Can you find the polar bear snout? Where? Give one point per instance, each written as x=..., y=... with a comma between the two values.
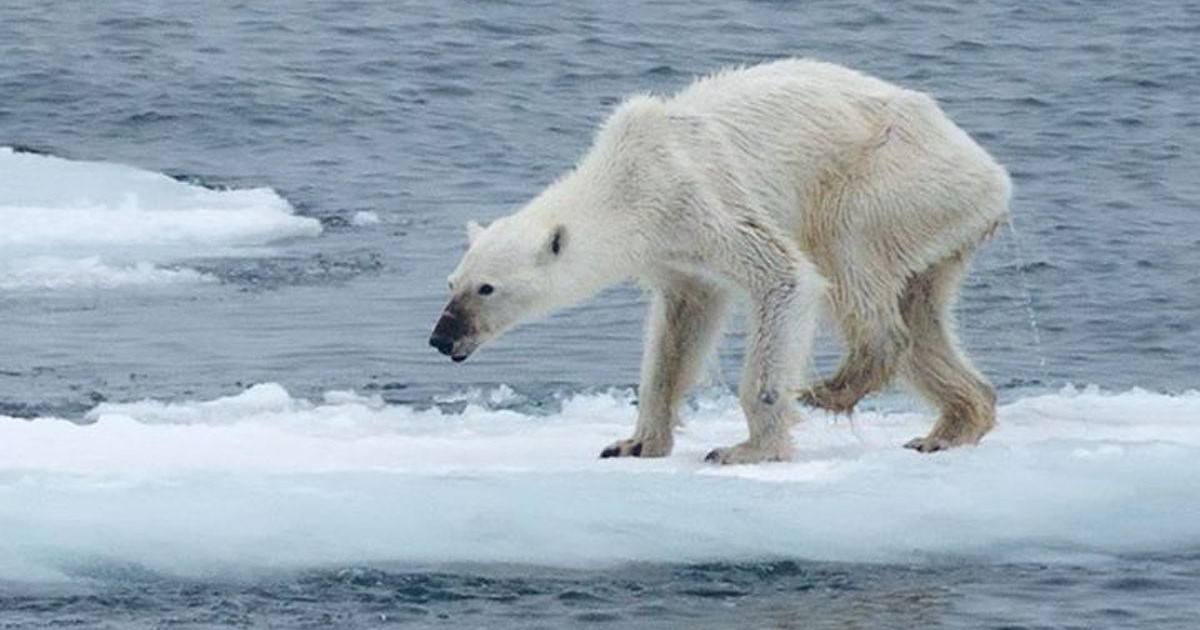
x=454, y=335
x=444, y=344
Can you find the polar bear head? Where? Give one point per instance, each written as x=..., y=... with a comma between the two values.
x=516, y=269
x=584, y=232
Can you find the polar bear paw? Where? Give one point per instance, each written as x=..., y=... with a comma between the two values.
x=935, y=443
x=638, y=447
x=747, y=453
x=927, y=444
x=830, y=397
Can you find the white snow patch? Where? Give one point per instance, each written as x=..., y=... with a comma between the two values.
x=262, y=479
x=75, y=224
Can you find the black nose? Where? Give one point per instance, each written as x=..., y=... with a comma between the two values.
x=444, y=344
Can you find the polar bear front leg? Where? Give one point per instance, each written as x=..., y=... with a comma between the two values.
x=783, y=323
x=683, y=327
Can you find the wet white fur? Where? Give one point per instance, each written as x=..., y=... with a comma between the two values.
x=792, y=184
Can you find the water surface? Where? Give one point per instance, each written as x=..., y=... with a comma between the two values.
x=428, y=114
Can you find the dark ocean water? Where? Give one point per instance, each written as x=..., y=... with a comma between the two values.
x=433, y=113
x=1140, y=592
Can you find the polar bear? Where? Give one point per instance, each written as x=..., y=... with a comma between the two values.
x=797, y=185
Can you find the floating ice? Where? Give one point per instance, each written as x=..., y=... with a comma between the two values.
x=50, y=272
x=72, y=224
x=266, y=480
x=365, y=218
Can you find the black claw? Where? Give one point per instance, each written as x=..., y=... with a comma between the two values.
x=636, y=451
x=713, y=456
x=925, y=446
x=612, y=451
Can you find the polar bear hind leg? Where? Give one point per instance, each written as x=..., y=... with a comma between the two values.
x=936, y=366
x=876, y=338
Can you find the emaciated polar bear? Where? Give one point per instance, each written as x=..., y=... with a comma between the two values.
x=796, y=184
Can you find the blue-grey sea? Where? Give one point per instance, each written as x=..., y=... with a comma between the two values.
x=388, y=125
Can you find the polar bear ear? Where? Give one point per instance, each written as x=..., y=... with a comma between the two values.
x=473, y=232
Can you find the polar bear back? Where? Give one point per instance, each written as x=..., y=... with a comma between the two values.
x=832, y=154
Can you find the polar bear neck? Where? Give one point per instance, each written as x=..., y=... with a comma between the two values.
x=596, y=228
x=606, y=203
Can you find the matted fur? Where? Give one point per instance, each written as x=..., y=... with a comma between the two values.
x=796, y=185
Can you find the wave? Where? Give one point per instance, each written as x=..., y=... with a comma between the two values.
x=77, y=224
x=265, y=480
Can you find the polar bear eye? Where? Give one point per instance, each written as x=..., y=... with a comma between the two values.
x=486, y=289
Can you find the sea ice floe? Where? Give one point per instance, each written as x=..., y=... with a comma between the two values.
x=262, y=479
x=73, y=224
